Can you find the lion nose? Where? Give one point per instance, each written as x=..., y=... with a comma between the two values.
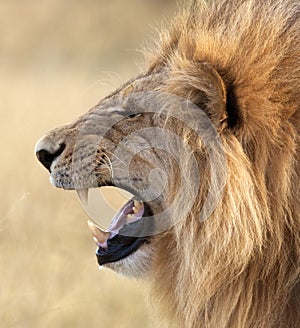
x=46, y=151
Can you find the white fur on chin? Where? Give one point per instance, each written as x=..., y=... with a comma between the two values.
x=136, y=265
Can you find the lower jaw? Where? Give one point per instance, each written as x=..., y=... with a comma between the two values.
x=119, y=248
x=128, y=240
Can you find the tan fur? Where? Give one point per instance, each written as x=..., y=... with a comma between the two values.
x=240, y=268
x=238, y=60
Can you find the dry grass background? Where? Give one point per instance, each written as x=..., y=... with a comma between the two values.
x=58, y=58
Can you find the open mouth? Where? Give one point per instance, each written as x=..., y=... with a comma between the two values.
x=126, y=232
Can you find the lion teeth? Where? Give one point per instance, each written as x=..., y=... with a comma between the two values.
x=96, y=241
x=130, y=216
x=137, y=206
x=100, y=236
x=83, y=195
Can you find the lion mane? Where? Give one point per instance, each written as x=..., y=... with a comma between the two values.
x=240, y=268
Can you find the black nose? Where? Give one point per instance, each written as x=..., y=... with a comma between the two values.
x=46, y=157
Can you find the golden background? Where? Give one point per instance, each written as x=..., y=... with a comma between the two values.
x=58, y=58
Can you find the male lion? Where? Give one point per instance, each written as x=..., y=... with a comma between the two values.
x=232, y=261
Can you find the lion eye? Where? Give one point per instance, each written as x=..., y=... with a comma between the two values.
x=134, y=115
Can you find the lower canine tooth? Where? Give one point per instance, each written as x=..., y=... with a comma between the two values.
x=99, y=235
x=96, y=241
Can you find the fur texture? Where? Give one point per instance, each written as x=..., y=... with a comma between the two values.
x=240, y=268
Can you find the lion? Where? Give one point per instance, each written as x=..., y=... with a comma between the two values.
x=237, y=63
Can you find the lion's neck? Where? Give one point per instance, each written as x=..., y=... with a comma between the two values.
x=238, y=268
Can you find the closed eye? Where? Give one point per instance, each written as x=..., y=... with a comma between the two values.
x=134, y=115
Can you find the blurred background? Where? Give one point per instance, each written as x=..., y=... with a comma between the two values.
x=58, y=58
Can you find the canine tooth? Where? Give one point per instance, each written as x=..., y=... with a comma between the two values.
x=83, y=195
x=99, y=235
x=96, y=241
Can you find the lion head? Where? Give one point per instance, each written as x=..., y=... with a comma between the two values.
x=207, y=142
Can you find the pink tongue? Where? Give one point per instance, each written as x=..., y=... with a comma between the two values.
x=120, y=218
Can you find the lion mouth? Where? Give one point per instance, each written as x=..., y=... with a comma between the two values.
x=122, y=237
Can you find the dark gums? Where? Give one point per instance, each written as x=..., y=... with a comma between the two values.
x=118, y=248
x=123, y=244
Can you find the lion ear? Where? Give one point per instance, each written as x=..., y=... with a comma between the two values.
x=210, y=93
x=203, y=85
x=217, y=98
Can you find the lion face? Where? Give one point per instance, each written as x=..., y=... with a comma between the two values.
x=80, y=156
x=135, y=139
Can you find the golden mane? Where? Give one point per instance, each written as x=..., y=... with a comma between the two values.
x=240, y=268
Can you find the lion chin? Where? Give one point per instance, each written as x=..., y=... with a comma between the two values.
x=206, y=140
x=135, y=265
